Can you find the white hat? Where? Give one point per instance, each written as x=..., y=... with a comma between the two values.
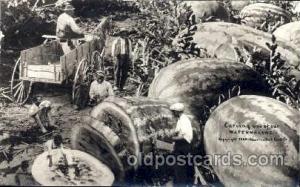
x=68, y=7
x=177, y=107
x=100, y=72
x=45, y=104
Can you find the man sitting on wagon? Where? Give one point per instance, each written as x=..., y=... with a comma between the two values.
x=100, y=88
x=66, y=28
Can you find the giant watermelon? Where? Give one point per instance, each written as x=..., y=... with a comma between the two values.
x=254, y=125
x=289, y=32
x=119, y=128
x=206, y=9
x=211, y=35
x=255, y=15
x=199, y=82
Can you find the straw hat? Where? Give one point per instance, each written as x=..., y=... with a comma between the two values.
x=177, y=107
x=122, y=30
x=68, y=7
x=100, y=73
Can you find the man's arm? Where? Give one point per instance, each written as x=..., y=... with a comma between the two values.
x=110, y=90
x=33, y=110
x=113, y=47
x=75, y=28
x=92, y=92
x=130, y=49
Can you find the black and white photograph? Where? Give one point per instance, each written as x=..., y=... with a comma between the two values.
x=170, y=93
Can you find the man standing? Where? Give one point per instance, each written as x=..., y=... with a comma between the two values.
x=183, y=173
x=121, y=52
x=100, y=88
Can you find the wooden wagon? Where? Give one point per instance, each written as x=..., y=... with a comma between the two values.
x=50, y=63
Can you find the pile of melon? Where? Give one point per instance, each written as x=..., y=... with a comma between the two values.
x=249, y=124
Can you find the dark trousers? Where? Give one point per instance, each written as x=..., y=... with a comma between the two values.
x=82, y=96
x=121, y=70
x=183, y=174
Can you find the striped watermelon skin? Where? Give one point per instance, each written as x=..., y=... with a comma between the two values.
x=199, y=82
x=289, y=32
x=124, y=125
x=94, y=140
x=255, y=110
x=246, y=36
x=206, y=9
x=239, y=5
x=255, y=14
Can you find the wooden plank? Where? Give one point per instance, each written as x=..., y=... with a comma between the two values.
x=43, y=54
x=23, y=56
x=85, y=48
x=24, y=68
x=59, y=50
x=79, y=55
x=46, y=72
x=63, y=68
x=42, y=80
x=43, y=68
x=71, y=60
x=40, y=74
x=50, y=53
x=70, y=63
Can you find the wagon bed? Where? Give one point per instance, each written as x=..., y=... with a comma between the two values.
x=52, y=62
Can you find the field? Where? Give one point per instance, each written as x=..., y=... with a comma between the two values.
x=162, y=35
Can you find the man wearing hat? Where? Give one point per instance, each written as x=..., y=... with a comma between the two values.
x=121, y=53
x=183, y=173
x=100, y=88
x=39, y=111
x=66, y=27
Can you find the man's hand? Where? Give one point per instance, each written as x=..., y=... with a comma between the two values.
x=92, y=101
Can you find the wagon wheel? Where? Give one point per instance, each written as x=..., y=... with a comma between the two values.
x=82, y=79
x=20, y=89
x=98, y=61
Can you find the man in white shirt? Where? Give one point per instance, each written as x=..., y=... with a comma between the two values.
x=121, y=53
x=184, y=126
x=100, y=88
x=183, y=174
x=39, y=110
x=66, y=27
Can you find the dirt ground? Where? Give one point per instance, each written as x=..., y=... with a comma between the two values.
x=25, y=139
x=21, y=139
